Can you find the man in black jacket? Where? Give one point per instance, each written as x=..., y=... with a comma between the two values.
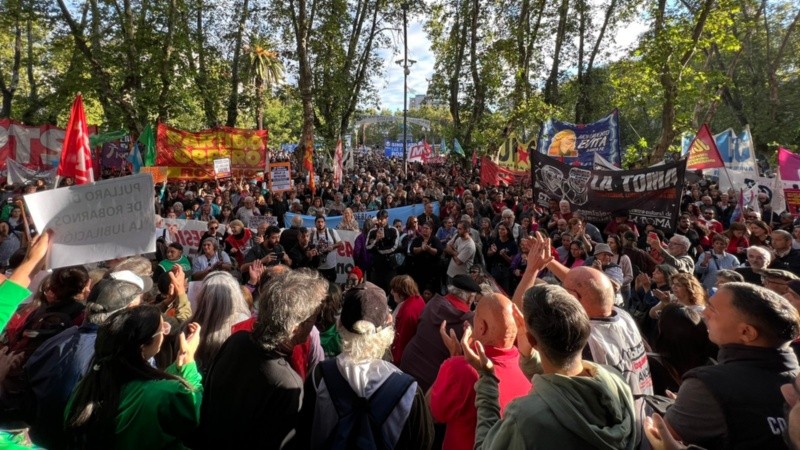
x=739, y=402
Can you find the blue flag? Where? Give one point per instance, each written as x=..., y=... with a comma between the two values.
x=457, y=147
x=135, y=158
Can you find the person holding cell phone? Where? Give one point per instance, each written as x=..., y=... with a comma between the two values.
x=270, y=252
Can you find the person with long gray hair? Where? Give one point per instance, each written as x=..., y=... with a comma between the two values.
x=220, y=305
x=251, y=384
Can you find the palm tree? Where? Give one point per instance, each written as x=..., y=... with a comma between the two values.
x=267, y=71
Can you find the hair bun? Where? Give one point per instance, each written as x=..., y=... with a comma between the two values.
x=364, y=327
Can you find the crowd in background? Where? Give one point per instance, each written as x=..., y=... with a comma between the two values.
x=496, y=322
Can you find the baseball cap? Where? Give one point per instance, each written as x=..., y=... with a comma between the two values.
x=779, y=273
x=365, y=302
x=144, y=283
x=110, y=295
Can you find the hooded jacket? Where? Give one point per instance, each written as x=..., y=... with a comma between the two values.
x=561, y=412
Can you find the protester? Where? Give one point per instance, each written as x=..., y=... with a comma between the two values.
x=210, y=259
x=452, y=396
x=738, y=402
x=326, y=242
x=124, y=402
x=174, y=256
x=574, y=404
x=55, y=368
x=358, y=381
x=712, y=261
x=425, y=352
x=251, y=383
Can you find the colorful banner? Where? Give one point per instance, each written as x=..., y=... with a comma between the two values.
x=576, y=144
x=34, y=147
x=793, y=201
x=494, y=175
x=513, y=154
x=737, y=152
x=650, y=196
x=703, y=152
x=191, y=155
x=420, y=152
x=114, y=154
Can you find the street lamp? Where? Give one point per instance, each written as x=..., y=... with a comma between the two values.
x=405, y=63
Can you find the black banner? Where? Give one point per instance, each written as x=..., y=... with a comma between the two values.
x=650, y=195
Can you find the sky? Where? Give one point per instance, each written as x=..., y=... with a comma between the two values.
x=419, y=49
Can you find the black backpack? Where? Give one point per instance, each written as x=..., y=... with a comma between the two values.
x=361, y=419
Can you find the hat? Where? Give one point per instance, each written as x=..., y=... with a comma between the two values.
x=602, y=248
x=144, y=283
x=465, y=283
x=364, y=305
x=794, y=285
x=358, y=273
x=382, y=213
x=779, y=273
x=110, y=295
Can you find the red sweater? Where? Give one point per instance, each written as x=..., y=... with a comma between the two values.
x=452, y=396
x=405, y=324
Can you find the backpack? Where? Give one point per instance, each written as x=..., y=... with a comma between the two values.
x=361, y=420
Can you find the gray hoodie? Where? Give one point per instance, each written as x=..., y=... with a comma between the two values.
x=560, y=412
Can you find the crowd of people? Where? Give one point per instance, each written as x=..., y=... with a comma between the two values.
x=486, y=321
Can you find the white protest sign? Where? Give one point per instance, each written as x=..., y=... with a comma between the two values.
x=280, y=179
x=222, y=168
x=185, y=232
x=97, y=221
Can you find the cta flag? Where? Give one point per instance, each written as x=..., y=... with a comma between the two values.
x=703, y=152
x=76, y=155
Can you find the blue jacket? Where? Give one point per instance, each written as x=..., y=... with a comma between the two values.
x=53, y=371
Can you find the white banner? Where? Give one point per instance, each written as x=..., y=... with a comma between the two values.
x=96, y=221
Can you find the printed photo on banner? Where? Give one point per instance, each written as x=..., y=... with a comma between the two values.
x=280, y=177
x=222, y=168
x=577, y=143
x=96, y=221
x=649, y=196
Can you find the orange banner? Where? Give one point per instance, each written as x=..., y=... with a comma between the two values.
x=159, y=173
x=192, y=155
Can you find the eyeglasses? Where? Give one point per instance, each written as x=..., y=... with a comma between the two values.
x=165, y=329
x=212, y=228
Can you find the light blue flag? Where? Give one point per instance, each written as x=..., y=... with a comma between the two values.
x=135, y=158
x=457, y=147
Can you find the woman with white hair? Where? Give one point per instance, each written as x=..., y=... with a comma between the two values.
x=220, y=305
x=210, y=258
x=339, y=385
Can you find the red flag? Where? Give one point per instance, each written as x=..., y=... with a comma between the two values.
x=308, y=164
x=474, y=158
x=338, y=165
x=703, y=153
x=76, y=155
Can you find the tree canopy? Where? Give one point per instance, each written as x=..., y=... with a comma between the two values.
x=308, y=69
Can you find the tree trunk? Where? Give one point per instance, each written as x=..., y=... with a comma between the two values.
x=8, y=89
x=458, y=36
x=166, y=66
x=259, y=103
x=478, y=84
x=34, y=103
x=233, y=100
x=669, y=80
x=302, y=20
x=551, y=85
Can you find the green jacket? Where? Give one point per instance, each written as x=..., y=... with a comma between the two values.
x=11, y=295
x=159, y=414
x=560, y=413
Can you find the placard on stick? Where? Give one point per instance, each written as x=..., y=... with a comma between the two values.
x=222, y=168
x=280, y=179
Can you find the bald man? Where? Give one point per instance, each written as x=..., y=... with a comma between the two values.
x=615, y=340
x=452, y=396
